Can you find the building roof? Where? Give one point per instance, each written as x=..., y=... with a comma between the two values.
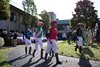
x=22, y=11
x=63, y=22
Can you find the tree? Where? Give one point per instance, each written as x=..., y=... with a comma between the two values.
x=30, y=8
x=4, y=9
x=84, y=13
x=31, y=22
x=45, y=18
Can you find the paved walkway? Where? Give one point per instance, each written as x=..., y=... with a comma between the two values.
x=18, y=58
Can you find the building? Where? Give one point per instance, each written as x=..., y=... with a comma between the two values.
x=61, y=24
x=15, y=22
x=52, y=16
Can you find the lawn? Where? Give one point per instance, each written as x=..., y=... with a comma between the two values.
x=3, y=57
x=92, y=53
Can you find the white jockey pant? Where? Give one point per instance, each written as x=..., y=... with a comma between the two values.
x=80, y=41
x=52, y=46
x=38, y=42
x=28, y=42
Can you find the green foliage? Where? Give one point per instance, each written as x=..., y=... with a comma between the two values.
x=29, y=20
x=31, y=10
x=29, y=7
x=91, y=53
x=45, y=18
x=4, y=9
x=84, y=13
x=3, y=57
x=33, y=21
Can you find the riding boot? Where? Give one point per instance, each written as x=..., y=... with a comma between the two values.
x=80, y=49
x=52, y=53
x=34, y=52
x=26, y=50
x=57, y=59
x=41, y=53
x=76, y=47
x=46, y=54
x=30, y=50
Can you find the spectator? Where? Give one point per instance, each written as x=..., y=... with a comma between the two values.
x=4, y=35
x=64, y=36
x=90, y=37
x=98, y=36
x=85, y=35
x=15, y=38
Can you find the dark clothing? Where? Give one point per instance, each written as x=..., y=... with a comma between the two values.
x=79, y=32
x=28, y=34
x=15, y=36
x=75, y=38
x=98, y=35
x=48, y=33
x=5, y=36
x=99, y=25
x=68, y=35
x=15, y=39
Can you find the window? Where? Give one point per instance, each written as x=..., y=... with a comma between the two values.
x=13, y=17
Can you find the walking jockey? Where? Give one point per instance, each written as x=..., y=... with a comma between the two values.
x=38, y=39
x=79, y=37
x=28, y=34
x=52, y=35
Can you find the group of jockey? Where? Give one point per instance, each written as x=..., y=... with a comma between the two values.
x=51, y=40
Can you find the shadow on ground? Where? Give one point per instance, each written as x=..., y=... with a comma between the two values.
x=18, y=58
x=88, y=52
x=83, y=62
x=48, y=63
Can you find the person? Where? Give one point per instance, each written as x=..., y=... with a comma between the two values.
x=51, y=44
x=5, y=36
x=28, y=34
x=85, y=35
x=90, y=37
x=15, y=38
x=64, y=36
x=68, y=34
x=38, y=38
x=98, y=36
x=74, y=37
x=80, y=39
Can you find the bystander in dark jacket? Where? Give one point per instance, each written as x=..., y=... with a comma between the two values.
x=15, y=38
x=98, y=36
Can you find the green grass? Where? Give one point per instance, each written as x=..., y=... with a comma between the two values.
x=3, y=57
x=92, y=53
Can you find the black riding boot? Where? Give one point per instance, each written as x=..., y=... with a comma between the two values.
x=41, y=53
x=57, y=59
x=46, y=54
x=30, y=50
x=34, y=52
x=80, y=49
x=26, y=50
x=76, y=47
x=52, y=53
